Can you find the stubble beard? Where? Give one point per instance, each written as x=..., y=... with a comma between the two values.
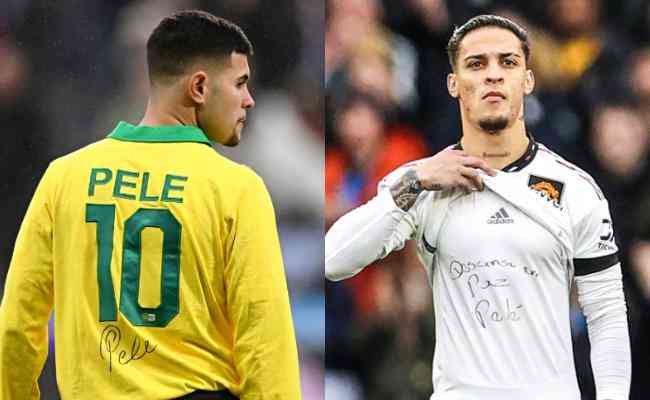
x=235, y=136
x=493, y=126
x=233, y=141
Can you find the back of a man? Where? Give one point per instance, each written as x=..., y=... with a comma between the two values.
x=162, y=262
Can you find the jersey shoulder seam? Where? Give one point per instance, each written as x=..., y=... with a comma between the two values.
x=572, y=171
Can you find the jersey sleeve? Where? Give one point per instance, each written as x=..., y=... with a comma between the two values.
x=408, y=223
x=595, y=247
x=28, y=300
x=266, y=356
x=369, y=232
x=602, y=300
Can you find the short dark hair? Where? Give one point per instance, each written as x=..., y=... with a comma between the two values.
x=482, y=21
x=186, y=36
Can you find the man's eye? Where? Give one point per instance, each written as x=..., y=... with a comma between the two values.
x=474, y=64
x=509, y=62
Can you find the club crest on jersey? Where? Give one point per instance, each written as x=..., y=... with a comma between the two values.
x=549, y=187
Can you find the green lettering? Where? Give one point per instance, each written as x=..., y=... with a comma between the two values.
x=143, y=189
x=119, y=182
x=169, y=187
x=104, y=216
x=108, y=175
x=131, y=261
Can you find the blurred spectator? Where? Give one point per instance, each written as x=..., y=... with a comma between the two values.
x=370, y=69
x=640, y=262
x=24, y=153
x=363, y=55
x=348, y=21
x=620, y=142
x=367, y=151
x=639, y=80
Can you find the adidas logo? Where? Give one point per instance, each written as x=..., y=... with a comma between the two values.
x=500, y=217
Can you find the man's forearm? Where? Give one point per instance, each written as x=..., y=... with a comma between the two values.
x=406, y=190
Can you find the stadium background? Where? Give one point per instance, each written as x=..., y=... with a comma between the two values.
x=69, y=70
x=387, y=103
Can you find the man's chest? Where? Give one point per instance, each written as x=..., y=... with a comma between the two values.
x=495, y=260
x=484, y=232
x=485, y=224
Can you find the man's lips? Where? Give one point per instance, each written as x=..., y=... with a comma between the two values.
x=494, y=94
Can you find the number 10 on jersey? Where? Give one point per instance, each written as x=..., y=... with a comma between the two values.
x=104, y=216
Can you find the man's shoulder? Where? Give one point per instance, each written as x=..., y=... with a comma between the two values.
x=75, y=155
x=229, y=174
x=73, y=159
x=577, y=185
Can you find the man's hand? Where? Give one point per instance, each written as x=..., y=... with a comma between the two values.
x=452, y=169
x=446, y=170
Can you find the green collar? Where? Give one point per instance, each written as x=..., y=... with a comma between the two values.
x=159, y=134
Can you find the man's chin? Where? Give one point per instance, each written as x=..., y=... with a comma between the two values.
x=493, y=125
x=233, y=140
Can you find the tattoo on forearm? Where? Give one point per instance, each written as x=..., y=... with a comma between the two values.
x=406, y=190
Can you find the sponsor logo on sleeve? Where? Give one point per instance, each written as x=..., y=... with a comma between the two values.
x=607, y=238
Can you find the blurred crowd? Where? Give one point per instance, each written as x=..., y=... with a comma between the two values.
x=69, y=71
x=387, y=103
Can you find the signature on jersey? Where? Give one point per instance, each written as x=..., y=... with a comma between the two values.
x=484, y=312
x=457, y=268
x=109, y=347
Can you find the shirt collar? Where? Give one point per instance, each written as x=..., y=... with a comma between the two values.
x=158, y=134
x=522, y=161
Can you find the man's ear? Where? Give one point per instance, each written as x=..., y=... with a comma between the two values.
x=197, y=86
x=529, y=83
x=452, y=85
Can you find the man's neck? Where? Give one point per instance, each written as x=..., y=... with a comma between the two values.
x=497, y=149
x=158, y=114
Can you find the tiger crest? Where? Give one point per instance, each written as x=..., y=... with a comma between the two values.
x=551, y=188
x=548, y=188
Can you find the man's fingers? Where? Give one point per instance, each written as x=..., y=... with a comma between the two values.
x=473, y=177
x=466, y=184
x=476, y=162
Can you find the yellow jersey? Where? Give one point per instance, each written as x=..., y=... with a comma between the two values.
x=162, y=261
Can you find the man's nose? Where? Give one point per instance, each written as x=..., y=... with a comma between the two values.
x=494, y=74
x=248, y=101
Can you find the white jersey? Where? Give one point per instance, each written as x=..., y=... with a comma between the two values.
x=501, y=263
